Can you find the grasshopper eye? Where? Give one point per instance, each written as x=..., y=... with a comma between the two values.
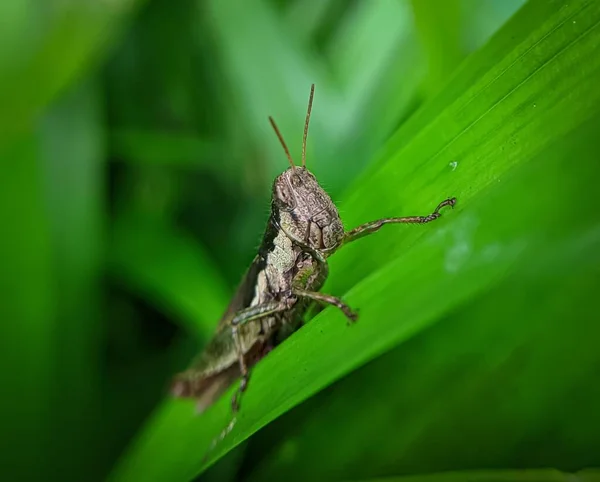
x=283, y=196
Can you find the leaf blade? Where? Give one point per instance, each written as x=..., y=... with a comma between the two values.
x=317, y=355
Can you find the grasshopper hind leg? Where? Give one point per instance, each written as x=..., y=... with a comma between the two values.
x=244, y=372
x=235, y=400
x=253, y=313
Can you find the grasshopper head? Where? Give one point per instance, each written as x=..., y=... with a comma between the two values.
x=302, y=207
x=305, y=210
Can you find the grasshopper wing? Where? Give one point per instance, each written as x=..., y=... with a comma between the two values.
x=243, y=295
x=216, y=368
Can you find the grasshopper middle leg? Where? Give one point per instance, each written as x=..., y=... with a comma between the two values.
x=331, y=300
x=257, y=312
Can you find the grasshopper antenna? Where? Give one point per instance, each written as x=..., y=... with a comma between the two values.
x=310, y=101
x=285, y=148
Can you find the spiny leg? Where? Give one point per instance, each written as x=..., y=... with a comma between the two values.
x=235, y=400
x=257, y=312
x=373, y=226
x=331, y=300
x=242, y=317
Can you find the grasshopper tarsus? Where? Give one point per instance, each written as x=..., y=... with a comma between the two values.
x=436, y=213
x=448, y=202
x=352, y=317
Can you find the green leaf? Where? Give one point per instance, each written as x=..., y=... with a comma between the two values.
x=514, y=137
x=27, y=308
x=163, y=148
x=364, y=51
x=529, y=86
x=50, y=206
x=531, y=475
x=439, y=26
x=56, y=42
x=469, y=365
x=50, y=285
x=74, y=202
x=491, y=376
x=169, y=268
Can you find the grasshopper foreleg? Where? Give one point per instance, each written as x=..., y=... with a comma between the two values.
x=316, y=254
x=331, y=300
x=373, y=226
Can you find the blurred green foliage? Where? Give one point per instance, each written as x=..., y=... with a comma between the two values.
x=136, y=170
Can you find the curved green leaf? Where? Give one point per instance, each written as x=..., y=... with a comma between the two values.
x=158, y=147
x=532, y=475
x=56, y=42
x=173, y=271
x=513, y=136
x=497, y=376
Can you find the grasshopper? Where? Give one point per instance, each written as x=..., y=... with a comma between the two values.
x=303, y=230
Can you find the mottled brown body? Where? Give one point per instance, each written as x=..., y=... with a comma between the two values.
x=304, y=228
x=302, y=214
